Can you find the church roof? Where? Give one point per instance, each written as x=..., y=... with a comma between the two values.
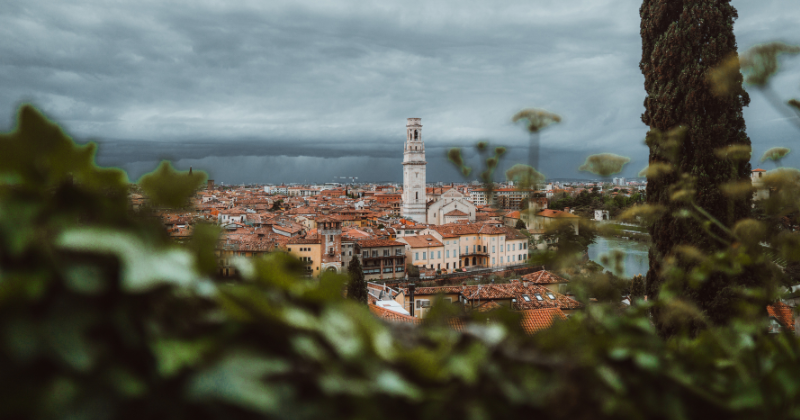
x=456, y=212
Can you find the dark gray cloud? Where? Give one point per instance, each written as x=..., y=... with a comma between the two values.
x=324, y=87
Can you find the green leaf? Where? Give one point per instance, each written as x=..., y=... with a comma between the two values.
x=143, y=267
x=170, y=188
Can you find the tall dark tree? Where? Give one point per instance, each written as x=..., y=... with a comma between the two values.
x=637, y=287
x=681, y=41
x=357, y=287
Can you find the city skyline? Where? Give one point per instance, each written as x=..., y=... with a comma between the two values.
x=300, y=91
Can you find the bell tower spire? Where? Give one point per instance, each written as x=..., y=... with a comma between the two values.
x=414, y=176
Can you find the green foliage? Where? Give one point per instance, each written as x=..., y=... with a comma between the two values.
x=637, y=287
x=573, y=237
x=536, y=120
x=167, y=187
x=356, y=286
x=698, y=130
x=775, y=154
x=520, y=225
x=604, y=164
x=524, y=177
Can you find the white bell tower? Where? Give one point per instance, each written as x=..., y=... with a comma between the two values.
x=414, y=197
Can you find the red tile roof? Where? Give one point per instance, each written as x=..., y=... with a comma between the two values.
x=783, y=314
x=456, y=212
x=392, y=316
x=539, y=319
x=544, y=277
x=422, y=241
x=373, y=243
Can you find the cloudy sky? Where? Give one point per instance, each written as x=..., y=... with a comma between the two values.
x=293, y=91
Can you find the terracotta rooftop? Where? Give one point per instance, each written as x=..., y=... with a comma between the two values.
x=456, y=212
x=783, y=314
x=544, y=277
x=539, y=319
x=422, y=241
x=373, y=243
x=392, y=316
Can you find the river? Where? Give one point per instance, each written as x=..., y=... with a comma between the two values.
x=635, y=260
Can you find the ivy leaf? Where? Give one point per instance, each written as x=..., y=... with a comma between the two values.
x=142, y=267
x=170, y=188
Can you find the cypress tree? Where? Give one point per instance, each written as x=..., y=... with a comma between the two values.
x=681, y=41
x=637, y=287
x=357, y=287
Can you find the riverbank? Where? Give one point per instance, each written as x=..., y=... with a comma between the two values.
x=635, y=255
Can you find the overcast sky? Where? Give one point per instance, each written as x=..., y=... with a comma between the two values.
x=293, y=91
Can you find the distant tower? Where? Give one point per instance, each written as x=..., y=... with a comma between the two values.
x=414, y=199
x=210, y=184
x=329, y=231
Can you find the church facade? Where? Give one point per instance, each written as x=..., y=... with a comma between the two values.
x=451, y=207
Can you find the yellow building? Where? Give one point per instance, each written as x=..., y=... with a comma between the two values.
x=309, y=251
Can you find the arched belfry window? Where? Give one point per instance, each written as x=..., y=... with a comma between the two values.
x=416, y=134
x=416, y=194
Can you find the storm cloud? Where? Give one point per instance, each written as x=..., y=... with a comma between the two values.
x=293, y=91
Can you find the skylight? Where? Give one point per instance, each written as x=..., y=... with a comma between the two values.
x=526, y=297
x=538, y=296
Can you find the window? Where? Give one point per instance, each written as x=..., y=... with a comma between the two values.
x=290, y=249
x=387, y=270
x=366, y=254
x=374, y=253
x=423, y=255
x=438, y=254
x=398, y=269
x=447, y=254
x=447, y=266
x=527, y=298
x=484, y=248
x=385, y=252
x=492, y=249
x=416, y=256
x=466, y=249
x=492, y=260
x=423, y=303
x=551, y=295
x=538, y=296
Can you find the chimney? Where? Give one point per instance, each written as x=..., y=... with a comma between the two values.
x=411, y=288
x=525, y=283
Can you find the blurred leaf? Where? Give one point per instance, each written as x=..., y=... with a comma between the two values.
x=760, y=63
x=604, y=164
x=656, y=170
x=536, y=119
x=38, y=154
x=239, y=379
x=775, y=154
x=645, y=213
x=170, y=188
x=142, y=267
x=750, y=231
x=726, y=77
x=734, y=152
x=737, y=190
x=524, y=176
